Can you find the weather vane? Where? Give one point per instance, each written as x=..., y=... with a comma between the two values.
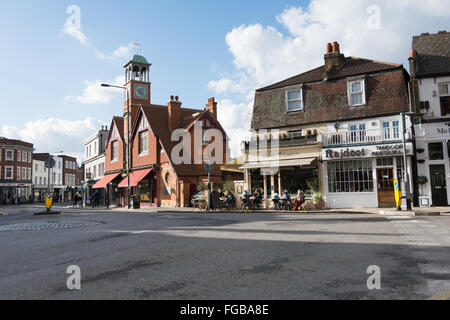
x=138, y=47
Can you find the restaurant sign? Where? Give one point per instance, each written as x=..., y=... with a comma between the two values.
x=376, y=151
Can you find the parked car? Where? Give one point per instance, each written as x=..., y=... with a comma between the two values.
x=195, y=198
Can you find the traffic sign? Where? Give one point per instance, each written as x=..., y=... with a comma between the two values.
x=49, y=163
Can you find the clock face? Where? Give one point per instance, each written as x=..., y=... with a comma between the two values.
x=140, y=91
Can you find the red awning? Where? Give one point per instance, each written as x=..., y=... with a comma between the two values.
x=105, y=180
x=135, y=178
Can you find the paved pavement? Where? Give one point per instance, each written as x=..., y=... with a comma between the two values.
x=184, y=255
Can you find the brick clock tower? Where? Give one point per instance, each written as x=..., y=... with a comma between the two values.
x=137, y=80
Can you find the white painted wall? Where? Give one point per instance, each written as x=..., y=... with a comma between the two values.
x=432, y=132
x=429, y=91
x=40, y=174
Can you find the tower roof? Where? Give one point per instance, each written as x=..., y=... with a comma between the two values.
x=138, y=59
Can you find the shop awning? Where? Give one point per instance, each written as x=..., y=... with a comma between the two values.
x=276, y=164
x=105, y=180
x=135, y=178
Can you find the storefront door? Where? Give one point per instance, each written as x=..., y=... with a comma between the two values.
x=386, y=194
x=438, y=185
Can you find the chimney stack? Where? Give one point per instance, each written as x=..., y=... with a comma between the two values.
x=211, y=107
x=333, y=58
x=174, y=111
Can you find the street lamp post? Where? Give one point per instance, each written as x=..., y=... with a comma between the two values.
x=128, y=136
x=405, y=161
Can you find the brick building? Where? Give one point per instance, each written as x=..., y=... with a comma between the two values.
x=156, y=177
x=16, y=167
x=70, y=172
x=337, y=132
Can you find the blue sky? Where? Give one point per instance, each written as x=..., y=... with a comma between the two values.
x=184, y=40
x=202, y=48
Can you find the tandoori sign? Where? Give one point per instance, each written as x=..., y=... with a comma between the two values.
x=376, y=151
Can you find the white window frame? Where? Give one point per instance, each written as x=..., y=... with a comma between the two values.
x=12, y=173
x=301, y=100
x=19, y=156
x=19, y=173
x=143, y=152
x=29, y=174
x=114, y=151
x=24, y=173
x=24, y=156
x=442, y=84
x=350, y=93
x=206, y=138
x=6, y=155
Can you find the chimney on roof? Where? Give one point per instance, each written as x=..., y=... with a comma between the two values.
x=333, y=58
x=174, y=111
x=211, y=107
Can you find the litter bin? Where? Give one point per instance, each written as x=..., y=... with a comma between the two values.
x=136, y=202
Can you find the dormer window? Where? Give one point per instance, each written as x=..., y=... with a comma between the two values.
x=294, y=100
x=356, y=93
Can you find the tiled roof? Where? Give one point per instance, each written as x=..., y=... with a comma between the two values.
x=432, y=54
x=158, y=119
x=41, y=156
x=326, y=101
x=353, y=67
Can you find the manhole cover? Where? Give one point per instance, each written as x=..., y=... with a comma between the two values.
x=47, y=225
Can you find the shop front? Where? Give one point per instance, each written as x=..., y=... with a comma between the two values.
x=15, y=193
x=292, y=166
x=107, y=188
x=142, y=186
x=433, y=163
x=364, y=176
x=39, y=194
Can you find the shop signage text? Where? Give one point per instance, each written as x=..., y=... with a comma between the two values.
x=374, y=152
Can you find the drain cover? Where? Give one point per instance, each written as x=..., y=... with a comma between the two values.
x=47, y=225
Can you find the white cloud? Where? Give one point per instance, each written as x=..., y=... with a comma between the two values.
x=72, y=27
x=94, y=93
x=235, y=119
x=121, y=52
x=54, y=135
x=265, y=54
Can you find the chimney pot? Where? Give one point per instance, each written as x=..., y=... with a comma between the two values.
x=176, y=98
x=336, y=47
x=328, y=47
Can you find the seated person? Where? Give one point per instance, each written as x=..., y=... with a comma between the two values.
x=286, y=195
x=299, y=201
x=257, y=197
x=221, y=194
x=229, y=200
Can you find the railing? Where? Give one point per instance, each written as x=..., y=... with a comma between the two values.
x=362, y=136
x=288, y=141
